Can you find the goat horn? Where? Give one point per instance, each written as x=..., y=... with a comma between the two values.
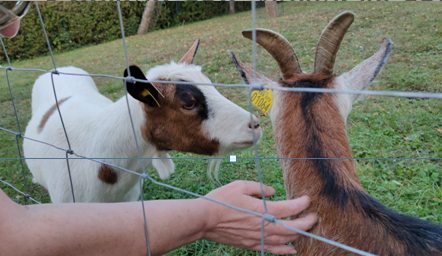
x=279, y=48
x=329, y=42
x=190, y=54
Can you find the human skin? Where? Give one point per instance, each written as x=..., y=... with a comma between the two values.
x=118, y=228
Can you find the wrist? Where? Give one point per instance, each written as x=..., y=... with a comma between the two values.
x=208, y=215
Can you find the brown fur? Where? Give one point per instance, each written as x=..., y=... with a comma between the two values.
x=186, y=133
x=293, y=138
x=48, y=114
x=107, y=174
x=305, y=76
x=310, y=125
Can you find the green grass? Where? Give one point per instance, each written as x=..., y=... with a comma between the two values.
x=377, y=127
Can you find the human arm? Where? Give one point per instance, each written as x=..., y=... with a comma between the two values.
x=117, y=228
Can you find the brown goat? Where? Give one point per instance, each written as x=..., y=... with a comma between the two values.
x=313, y=125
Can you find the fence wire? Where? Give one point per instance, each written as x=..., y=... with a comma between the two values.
x=126, y=61
x=71, y=155
x=256, y=86
x=19, y=129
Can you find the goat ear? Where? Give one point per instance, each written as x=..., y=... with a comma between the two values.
x=363, y=74
x=142, y=91
x=190, y=54
x=248, y=75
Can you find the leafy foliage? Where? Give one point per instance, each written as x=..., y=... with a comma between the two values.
x=74, y=24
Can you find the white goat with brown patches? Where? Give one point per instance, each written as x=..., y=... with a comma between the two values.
x=186, y=117
x=313, y=125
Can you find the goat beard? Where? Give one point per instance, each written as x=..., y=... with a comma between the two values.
x=213, y=170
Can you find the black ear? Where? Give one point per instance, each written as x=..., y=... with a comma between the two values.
x=142, y=91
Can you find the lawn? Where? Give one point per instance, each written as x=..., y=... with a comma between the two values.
x=378, y=127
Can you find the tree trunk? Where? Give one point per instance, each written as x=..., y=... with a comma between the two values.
x=146, y=18
x=231, y=6
x=271, y=8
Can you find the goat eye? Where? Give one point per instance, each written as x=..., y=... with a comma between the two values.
x=190, y=105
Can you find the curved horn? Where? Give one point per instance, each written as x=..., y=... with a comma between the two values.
x=279, y=48
x=329, y=42
x=190, y=54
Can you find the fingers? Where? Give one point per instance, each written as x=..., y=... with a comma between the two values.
x=280, y=233
x=235, y=225
x=252, y=188
x=277, y=236
x=304, y=223
x=277, y=243
x=277, y=233
x=288, y=208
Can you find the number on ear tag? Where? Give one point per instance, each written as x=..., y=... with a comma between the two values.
x=262, y=99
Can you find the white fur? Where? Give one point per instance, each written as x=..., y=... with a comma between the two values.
x=360, y=77
x=100, y=128
x=228, y=122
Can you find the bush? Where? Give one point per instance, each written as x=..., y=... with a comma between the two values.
x=74, y=24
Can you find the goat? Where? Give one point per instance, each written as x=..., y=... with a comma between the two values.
x=167, y=116
x=313, y=125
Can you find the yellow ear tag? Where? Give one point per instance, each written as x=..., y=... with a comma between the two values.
x=262, y=99
x=146, y=93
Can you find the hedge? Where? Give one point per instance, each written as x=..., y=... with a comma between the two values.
x=74, y=24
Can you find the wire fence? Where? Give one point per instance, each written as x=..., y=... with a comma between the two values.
x=71, y=155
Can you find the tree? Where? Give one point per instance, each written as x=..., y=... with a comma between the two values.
x=231, y=6
x=147, y=17
x=271, y=8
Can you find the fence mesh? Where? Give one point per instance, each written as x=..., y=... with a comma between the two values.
x=71, y=155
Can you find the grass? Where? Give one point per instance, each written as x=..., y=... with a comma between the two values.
x=377, y=127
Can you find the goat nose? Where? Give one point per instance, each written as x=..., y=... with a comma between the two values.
x=254, y=123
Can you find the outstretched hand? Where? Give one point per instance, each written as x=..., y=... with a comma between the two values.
x=117, y=228
x=240, y=229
